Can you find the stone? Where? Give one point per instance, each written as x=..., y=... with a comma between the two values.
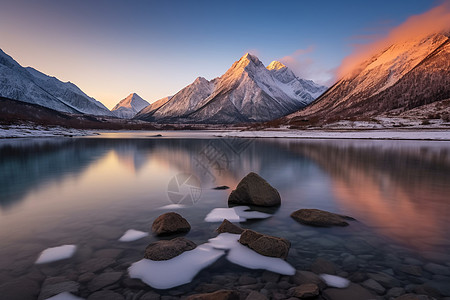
x=384, y=279
x=265, y=244
x=254, y=295
x=50, y=289
x=94, y=265
x=111, y=253
x=105, y=294
x=167, y=249
x=437, y=269
x=284, y=285
x=302, y=277
x=350, y=263
x=19, y=289
x=323, y=266
x=268, y=276
x=373, y=286
x=245, y=280
x=353, y=291
x=304, y=291
x=150, y=296
x=218, y=295
x=229, y=227
x=254, y=190
x=409, y=269
x=395, y=292
x=170, y=223
x=320, y=218
x=104, y=279
x=85, y=277
x=408, y=297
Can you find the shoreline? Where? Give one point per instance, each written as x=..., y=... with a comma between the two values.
x=422, y=134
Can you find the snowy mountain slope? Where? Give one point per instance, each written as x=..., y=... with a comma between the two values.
x=184, y=102
x=247, y=92
x=32, y=86
x=154, y=106
x=127, y=108
x=403, y=76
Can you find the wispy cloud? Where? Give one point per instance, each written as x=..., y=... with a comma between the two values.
x=304, y=66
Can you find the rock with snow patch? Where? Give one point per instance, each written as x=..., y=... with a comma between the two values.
x=167, y=249
x=265, y=244
x=229, y=227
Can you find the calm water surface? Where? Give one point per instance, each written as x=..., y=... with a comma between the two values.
x=89, y=191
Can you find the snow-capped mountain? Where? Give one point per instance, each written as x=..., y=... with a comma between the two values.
x=127, y=108
x=247, y=92
x=155, y=105
x=405, y=75
x=32, y=86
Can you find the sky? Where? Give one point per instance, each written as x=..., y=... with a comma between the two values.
x=111, y=48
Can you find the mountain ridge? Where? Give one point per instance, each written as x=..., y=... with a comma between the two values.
x=246, y=92
x=32, y=86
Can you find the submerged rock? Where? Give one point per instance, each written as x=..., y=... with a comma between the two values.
x=307, y=290
x=170, y=223
x=317, y=217
x=167, y=249
x=221, y=187
x=254, y=190
x=218, y=295
x=353, y=291
x=229, y=227
x=265, y=244
x=50, y=289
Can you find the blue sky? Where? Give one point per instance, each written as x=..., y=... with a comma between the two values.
x=155, y=48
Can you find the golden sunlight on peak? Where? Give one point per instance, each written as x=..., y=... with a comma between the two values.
x=275, y=65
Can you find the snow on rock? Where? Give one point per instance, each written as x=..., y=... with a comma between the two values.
x=177, y=271
x=132, y=235
x=246, y=257
x=56, y=253
x=235, y=214
x=335, y=281
x=64, y=296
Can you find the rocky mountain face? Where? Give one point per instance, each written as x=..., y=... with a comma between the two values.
x=127, y=108
x=403, y=76
x=247, y=92
x=31, y=86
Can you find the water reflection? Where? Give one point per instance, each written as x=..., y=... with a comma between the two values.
x=401, y=189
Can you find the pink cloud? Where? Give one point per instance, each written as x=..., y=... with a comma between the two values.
x=433, y=21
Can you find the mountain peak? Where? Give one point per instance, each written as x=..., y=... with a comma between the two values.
x=250, y=57
x=276, y=65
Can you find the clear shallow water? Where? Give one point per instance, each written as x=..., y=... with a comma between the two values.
x=89, y=191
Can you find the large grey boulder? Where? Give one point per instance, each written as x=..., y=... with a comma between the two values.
x=170, y=223
x=167, y=249
x=254, y=190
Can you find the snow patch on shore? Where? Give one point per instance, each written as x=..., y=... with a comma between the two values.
x=30, y=131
